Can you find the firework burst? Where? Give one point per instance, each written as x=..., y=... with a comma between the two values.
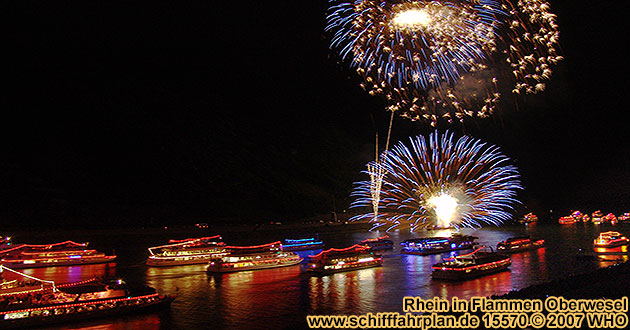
x=441, y=59
x=440, y=182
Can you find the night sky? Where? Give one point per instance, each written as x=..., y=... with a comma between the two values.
x=155, y=114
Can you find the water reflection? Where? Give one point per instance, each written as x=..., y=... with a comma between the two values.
x=348, y=292
x=69, y=274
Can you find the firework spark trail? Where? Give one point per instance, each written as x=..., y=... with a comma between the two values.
x=473, y=173
x=441, y=59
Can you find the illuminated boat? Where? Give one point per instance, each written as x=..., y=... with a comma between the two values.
x=188, y=251
x=475, y=264
x=66, y=253
x=302, y=244
x=598, y=217
x=379, y=243
x=436, y=245
x=624, y=217
x=610, y=218
x=567, y=220
x=341, y=260
x=41, y=303
x=241, y=258
x=610, y=239
x=580, y=217
x=518, y=244
x=529, y=218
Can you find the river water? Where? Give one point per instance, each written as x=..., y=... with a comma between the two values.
x=281, y=298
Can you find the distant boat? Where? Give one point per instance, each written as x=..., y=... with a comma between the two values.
x=529, y=218
x=567, y=220
x=437, y=245
x=302, y=244
x=379, y=243
x=518, y=244
x=341, y=260
x=471, y=265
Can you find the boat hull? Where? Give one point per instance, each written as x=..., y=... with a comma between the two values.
x=218, y=269
x=159, y=262
x=62, y=262
x=158, y=302
x=322, y=272
x=452, y=275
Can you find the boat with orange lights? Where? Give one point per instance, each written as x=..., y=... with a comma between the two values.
x=66, y=253
x=302, y=244
x=610, y=239
x=379, y=243
x=189, y=251
x=518, y=244
x=529, y=218
x=436, y=245
x=598, y=217
x=242, y=258
x=567, y=220
x=341, y=260
x=471, y=265
x=41, y=303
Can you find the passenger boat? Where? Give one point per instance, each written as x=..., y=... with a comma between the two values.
x=567, y=220
x=302, y=244
x=188, y=251
x=610, y=218
x=475, y=264
x=241, y=258
x=518, y=244
x=624, y=217
x=580, y=217
x=610, y=239
x=379, y=243
x=436, y=245
x=66, y=253
x=598, y=217
x=341, y=260
x=529, y=218
x=41, y=303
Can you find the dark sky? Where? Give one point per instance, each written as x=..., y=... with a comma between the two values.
x=136, y=114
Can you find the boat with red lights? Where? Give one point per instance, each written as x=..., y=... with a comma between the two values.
x=302, y=244
x=5, y=242
x=471, y=265
x=518, y=244
x=379, y=243
x=437, y=245
x=598, y=217
x=341, y=260
x=242, y=258
x=66, y=253
x=610, y=239
x=41, y=303
x=189, y=251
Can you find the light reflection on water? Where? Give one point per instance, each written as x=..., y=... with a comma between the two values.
x=282, y=297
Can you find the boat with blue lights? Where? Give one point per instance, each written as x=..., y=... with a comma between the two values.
x=66, y=253
x=436, y=245
x=189, y=251
x=519, y=244
x=242, y=258
x=475, y=264
x=379, y=243
x=34, y=302
x=301, y=244
x=341, y=260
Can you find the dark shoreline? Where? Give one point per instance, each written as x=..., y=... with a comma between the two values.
x=611, y=282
